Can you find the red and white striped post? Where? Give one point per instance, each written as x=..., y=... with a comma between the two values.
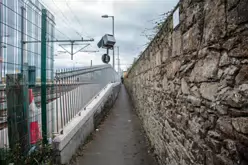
x=35, y=134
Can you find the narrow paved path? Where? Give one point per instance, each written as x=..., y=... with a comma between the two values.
x=120, y=139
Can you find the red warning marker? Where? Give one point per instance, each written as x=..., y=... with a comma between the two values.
x=35, y=134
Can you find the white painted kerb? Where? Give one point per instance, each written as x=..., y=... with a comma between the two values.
x=77, y=122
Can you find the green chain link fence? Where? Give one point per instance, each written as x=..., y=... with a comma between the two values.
x=26, y=74
x=37, y=103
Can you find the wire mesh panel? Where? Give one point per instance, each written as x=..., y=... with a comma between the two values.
x=35, y=102
x=20, y=73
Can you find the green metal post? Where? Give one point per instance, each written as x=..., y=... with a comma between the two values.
x=24, y=72
x=1, y=41
x=52, y=78
x=43, y=75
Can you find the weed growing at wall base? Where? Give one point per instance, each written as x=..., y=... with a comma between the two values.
x=37, y=155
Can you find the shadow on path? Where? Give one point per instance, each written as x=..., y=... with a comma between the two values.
x=120, y=139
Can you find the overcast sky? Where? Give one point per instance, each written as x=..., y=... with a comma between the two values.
x=132, y=17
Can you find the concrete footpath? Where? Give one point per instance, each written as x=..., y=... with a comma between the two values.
x=120, y=139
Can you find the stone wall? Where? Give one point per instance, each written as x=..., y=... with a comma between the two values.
x=190, y=86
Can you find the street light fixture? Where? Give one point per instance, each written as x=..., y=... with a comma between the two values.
x=113, y=22
x=118, y=58
x=104, y=16
x=113, y=32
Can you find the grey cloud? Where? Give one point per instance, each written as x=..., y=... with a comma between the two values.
x=131, y=18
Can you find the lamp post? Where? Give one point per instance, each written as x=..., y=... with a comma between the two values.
x=113, y=32
x=118, y=58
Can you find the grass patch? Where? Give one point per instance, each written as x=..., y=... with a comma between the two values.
x=40, y=155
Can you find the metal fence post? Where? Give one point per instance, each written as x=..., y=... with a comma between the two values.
x=24, y=71
x=1, y=42
x=43, y=75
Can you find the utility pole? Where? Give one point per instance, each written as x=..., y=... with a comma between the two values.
x=1, y=38
x=113, y=28
x=118, y=69
x=113, y=32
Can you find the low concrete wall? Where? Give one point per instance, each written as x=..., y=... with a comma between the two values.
x=76, y=132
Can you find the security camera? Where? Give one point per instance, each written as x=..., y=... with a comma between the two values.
x=107, y=41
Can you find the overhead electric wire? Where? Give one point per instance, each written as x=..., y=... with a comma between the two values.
x=75, y=17
x=39, y=13
x=66, y=19
x=11, y=26
x=60, y=18
x=37, y=10
x=54, y=27
x=33, y=5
